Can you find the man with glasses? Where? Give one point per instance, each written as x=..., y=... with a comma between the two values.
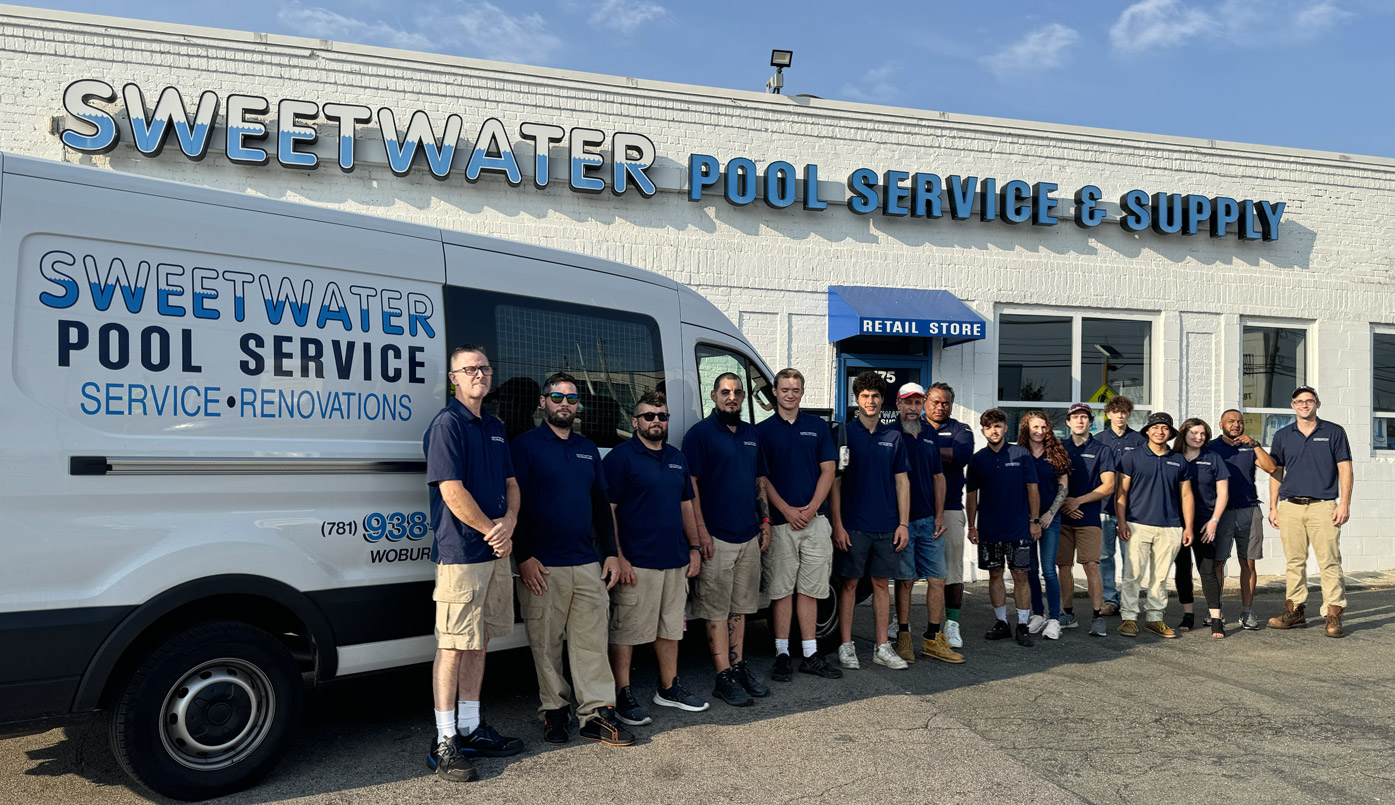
x=474, y=508
x=563, y=586
x=1242, y=524
x=956, y=442
x=1309, y=502
x=726, y=463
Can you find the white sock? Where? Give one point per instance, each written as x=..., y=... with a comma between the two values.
x=782, y=646
x=467, y=716
x=445, y=724
x=1023, y=615
x=811, y=647
x=1000, y=613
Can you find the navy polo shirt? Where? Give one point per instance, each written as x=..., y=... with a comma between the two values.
x=1000, y=478
x=460, y=446
x=1207, y=469
x=648, y=488
x=1088, y=462
x=960, y=440
x=1131, y=440
x=868, y=492
x=556, y=479
x=1310, y=462
x=1046, y=480
x=726, y=466
x=793, y=452
x=923, y=452
x=1155, y=496
x=1240, y=462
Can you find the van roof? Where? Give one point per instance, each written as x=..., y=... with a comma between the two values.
x=114, y=180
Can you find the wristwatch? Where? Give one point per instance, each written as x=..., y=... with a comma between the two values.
x=1036, y=521
x=695, y=548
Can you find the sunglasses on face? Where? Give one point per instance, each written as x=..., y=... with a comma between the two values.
x=650, y=416
x=558, y=398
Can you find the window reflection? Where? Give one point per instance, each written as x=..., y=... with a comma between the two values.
x=1274, y=363
x=1034, y=358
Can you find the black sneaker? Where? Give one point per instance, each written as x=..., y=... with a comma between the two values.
x=1000, y=631
x=485, y=742
x=729, y=690
x=555, y=724
x=783, y=670
x=748, y=681
x=629, y=710
x=680, y=697
x=1023, y=636
x=449, y=764
x=604, y=727
x=815, y=664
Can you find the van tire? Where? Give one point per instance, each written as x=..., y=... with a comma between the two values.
x=225, y=686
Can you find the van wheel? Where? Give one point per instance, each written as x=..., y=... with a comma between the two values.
x=208, y=712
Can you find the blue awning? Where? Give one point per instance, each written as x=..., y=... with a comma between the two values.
x=855, y=310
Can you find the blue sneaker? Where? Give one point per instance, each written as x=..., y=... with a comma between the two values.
x=1068, y=621
x=486, y=742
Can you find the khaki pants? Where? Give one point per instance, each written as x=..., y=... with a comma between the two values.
x=1152, y=550
x=1300, y=527
x=955, y=529
x=576, y=605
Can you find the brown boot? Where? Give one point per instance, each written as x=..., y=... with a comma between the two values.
x=1291, y=619
x=1334, y=622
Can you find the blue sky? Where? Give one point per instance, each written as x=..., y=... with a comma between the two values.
x=1300, y=73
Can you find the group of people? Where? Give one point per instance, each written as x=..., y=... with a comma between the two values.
x=606, y=548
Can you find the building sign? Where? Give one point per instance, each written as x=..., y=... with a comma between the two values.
x=248, y=137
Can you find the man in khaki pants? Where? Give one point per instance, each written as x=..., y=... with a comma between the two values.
x=563, y=587
x=1310, y=500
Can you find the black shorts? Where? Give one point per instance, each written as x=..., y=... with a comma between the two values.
x=996, y=555
x=869, y=553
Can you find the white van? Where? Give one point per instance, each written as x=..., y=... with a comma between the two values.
x=211, y=412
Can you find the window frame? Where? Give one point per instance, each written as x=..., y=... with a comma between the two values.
x=753, y=370
x=1387, y=330
x=1309, y=369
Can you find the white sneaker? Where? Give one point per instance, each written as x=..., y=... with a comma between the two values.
x=952, y=634
x=886, y=655
x=847, y=656
x=1052, y=631
x=1035, y=624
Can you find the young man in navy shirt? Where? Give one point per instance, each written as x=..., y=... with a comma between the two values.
x=956, y=441
x=1155, y=510
x=1091, y=482
x=1122, y=439
x=652, y=497
x=474, y=507
x=1003, y=507
x=563, y=586
x=1242, y=523
x=733, y=523
x=1309, y=502
x=871, y=518
x=802, y=457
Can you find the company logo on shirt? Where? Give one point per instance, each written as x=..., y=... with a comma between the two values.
x=749, y=444
x=809, y=433
x=1202, y=463
x=1173, y=464
x=887, y=444
x=586, y=456
x=675, y=466
x=1088, y=455
x=499, y=439
x=1321, y=439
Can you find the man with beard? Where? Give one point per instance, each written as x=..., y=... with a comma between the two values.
x=1091, y=482
x=652, y=495
x=956, y=441
x=1242, y=523
x=562, y=584
x=726, y=463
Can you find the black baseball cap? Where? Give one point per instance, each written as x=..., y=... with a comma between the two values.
x=1302, y=389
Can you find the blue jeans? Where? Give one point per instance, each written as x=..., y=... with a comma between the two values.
x=924, y=556
x=1109, y=526
x=1044, y=565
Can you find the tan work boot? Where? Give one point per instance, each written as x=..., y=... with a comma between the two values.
x=939, y=649
x=1109, y=610
x=1159, y=628
x=1129, y=628
x=1292, y=617
x=1334, y=622
x=905, y=646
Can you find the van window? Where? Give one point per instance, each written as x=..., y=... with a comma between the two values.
x=615, y=357
x=713, y=361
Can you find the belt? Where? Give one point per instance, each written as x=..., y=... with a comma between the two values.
x=1306, y=501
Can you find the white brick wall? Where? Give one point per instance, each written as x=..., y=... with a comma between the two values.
x=769, y=269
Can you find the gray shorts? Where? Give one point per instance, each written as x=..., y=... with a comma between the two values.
x=1243, y=528
x=871, y=553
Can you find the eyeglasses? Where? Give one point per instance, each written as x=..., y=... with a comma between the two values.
x=557, y=397
x=471, y=371
x=650, y=416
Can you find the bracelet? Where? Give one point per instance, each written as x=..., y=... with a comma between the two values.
x=695, y=547
x=766, y=520
x=904, y=525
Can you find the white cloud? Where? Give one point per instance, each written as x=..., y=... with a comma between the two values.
x=626, y=16
x=1155, y=24
x=1150, y=25
x=1044, y=48
x=488, y=31
x=321, y=23
x=874, y=86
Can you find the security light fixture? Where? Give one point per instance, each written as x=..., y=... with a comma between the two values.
x=779, y=59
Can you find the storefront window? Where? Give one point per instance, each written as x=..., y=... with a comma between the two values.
x=1383, y=390
x=1274, y=362
x=1115, y=354
x=1034, y=358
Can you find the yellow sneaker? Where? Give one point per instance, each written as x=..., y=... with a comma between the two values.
x=1129, y=628
x=939, y=649
x=1159, y=628
x=905, y=646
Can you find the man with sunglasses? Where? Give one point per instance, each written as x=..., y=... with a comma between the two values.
x=563, y=585
x=651, y=494
x=725, y=459
x=474, y=507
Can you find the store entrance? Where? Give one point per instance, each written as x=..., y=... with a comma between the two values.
x=895, y=370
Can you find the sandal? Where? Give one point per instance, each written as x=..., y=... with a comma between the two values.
x=1217, y=628
x=1188, y=621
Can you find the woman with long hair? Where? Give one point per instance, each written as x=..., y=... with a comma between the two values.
x=1210, y=490
x=1053, y=469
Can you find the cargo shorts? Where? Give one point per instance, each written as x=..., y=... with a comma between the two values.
x=474, y=603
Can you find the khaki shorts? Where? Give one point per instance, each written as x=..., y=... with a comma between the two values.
x=954, y=546
x=1083, y=541
x=651, y=607
x=474, y=602
x=799, y=561
x=729, y=582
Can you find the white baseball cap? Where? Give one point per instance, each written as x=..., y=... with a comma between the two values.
x=910, y=390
